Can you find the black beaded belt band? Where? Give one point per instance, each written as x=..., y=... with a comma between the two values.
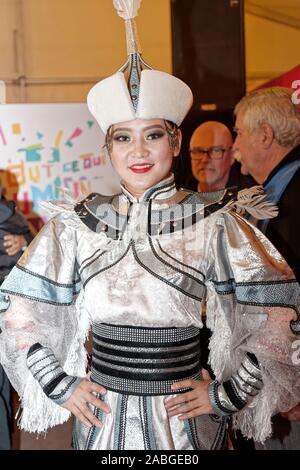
x=144, y=361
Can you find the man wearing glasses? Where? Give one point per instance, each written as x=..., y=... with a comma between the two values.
x=212, y=159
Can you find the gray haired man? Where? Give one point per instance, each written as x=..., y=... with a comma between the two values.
x=268, y=141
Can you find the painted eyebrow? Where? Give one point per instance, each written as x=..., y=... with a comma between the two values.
x=127, y=129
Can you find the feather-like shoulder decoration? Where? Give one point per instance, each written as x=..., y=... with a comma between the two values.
x=255, y=201
x=127, y=9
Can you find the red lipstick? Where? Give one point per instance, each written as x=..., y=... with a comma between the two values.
x=141, y=167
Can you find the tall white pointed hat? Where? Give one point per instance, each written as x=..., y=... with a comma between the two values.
x=137, y=91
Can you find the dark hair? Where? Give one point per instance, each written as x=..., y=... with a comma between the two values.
x=108, y=140
x=172, y=130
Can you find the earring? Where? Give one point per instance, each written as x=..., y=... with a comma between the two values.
x=106, y=151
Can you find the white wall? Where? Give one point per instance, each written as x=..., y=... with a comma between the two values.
x=85, y=39
x=75, y=39
x=271, y=49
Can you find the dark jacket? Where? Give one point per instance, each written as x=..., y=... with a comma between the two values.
x=283, y=231
x=11, y=222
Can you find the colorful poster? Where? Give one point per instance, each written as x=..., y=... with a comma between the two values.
x=47, y=148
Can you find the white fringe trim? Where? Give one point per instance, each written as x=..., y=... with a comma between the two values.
x=254, y=421
x=39, y=413
x=220, y=341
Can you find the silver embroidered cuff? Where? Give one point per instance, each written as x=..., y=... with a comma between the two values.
x=214, y=400
x=64, y=389
x=245, y=383
x=233, y=395
x=251, y=368
x=45, y=368
x=224, y=400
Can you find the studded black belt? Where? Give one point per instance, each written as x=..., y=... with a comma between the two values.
x=144, y=361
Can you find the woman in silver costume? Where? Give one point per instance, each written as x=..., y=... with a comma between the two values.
x=136, y=268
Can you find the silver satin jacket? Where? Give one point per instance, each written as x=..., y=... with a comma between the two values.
x=152, y=263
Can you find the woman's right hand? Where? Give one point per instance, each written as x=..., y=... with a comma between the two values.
x=82, y=396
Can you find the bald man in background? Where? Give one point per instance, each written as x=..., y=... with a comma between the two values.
x=212, y=160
